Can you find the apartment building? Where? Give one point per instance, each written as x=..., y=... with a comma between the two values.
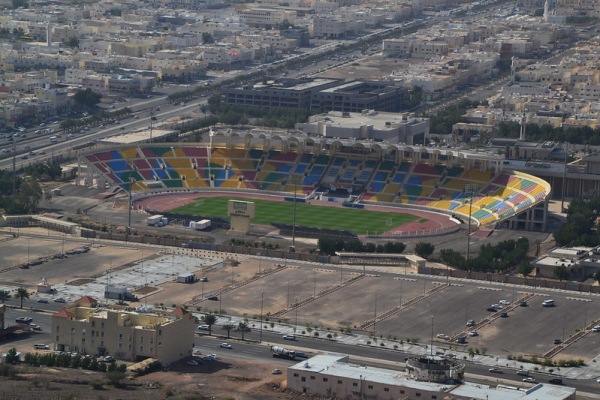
x=86, y=328
x=263, y=16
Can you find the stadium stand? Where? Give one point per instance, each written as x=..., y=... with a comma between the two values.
x=488, y=194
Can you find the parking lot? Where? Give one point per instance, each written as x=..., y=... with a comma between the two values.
x=345, y=298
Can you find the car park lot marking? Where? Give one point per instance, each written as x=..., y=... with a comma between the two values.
x=489, y=288
x=578, y=299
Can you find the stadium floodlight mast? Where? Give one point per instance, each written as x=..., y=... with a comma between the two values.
x=295, y=178
x=470, y=190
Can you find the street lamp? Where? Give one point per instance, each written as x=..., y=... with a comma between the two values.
x=295, y=179
x=261, y=315
x=470, y=190
x=564, y=180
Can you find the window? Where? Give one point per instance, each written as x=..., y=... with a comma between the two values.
x=354, y=384
x=141, y=349
x=418, y=394
x=312, y=377
x=102, y=334
x=325, y=379
x=386, y=389
x=83, y=332
x=303, y=379
x=93, y=324
x=339, y=382
x=401, y=391
x=433, y=396
x=120, y=336
x=295, y=375
x=370, y=386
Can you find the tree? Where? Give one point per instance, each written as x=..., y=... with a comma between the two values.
x=11, y=356
x=210, y=320
x=243, y=327
x=87, y=98
x=228, y=328
x=207, y=38
x=30, y=194
x=561, y=272
x=4, y=295
x=72, y=42
x=22, y=294
x=424, y=250
x=525, y=268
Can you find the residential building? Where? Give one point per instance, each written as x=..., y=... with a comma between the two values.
x=86, y=328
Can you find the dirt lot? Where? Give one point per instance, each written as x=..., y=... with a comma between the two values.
x=243, y=380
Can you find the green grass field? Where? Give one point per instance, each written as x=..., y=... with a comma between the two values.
x=353, y=220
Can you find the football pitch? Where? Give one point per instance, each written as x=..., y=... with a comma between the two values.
x=338, y=218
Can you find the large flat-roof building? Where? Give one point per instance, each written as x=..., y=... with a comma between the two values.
x=370, y=125
x=85, y=328
x=333, y=376
x=323, y=94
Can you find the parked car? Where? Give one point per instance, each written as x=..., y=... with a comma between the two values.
x=213, y=298
x=442, y=336
x=60, y=300
x=557, y=341
x=40, y=346
x=504, y=302
x=204, y=279
x=548, y=303
x=289, y=337
x=24, y=320
x=203, y=327
x=596, y=328
x=225, y=346
x=556, y=381
x=276, y=372
x=473, y=333
x=471, y=322
x=496, y=370
x=45, y=301
x=529, y=379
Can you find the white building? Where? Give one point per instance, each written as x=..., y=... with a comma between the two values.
x=331, y=375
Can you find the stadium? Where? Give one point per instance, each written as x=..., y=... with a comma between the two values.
x=427, y=182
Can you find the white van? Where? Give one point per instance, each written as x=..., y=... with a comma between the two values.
x=548, y=303
x=53, y=139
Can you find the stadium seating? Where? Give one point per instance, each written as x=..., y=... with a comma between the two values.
x=496, y=196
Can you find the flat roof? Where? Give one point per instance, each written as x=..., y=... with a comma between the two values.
x=136, y=137
x=337, y=365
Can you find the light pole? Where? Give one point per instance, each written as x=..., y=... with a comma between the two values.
x=131, y=181
x=295, y=181
x=431, y=343
x=564, y=181
x=296, y=321
x=261, y=315
x=470, y=190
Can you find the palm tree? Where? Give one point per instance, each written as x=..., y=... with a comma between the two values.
x=228, y=328
x=4, y=295
x=22, y=294
x=209, y=319
x=243, y=327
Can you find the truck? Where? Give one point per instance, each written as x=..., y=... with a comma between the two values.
x=282, y=352
x=200, y=225
x=157, y=220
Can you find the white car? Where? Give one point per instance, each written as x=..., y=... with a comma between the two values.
x=529, y=379
x=225, y=346
x=596, y=328
x=443, y=336
x=473, y=333
x=504, y=302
